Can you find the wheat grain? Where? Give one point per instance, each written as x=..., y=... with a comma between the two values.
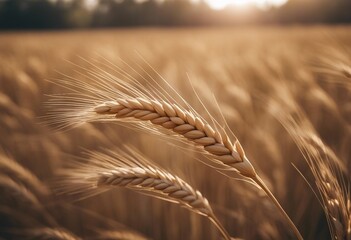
x=185, y=123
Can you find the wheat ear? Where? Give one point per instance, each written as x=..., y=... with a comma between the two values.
x=129, y=169
x=151, y=108
x=195, y=129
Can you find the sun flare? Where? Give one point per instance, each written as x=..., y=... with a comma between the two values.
x=220, y=4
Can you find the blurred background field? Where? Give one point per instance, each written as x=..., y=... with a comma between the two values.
x=243, y=66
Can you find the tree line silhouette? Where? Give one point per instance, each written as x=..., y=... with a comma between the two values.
x=56, y=14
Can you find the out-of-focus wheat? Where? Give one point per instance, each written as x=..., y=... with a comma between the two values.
x=327, y=169
x=237, y=65
x=119, y=235
x=18, y=193
x=23, y=198
x=16, y=171
x=336, y=65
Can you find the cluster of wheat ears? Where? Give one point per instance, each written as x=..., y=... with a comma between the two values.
x=155, y=107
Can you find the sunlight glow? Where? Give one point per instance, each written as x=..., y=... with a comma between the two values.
x=220, y=4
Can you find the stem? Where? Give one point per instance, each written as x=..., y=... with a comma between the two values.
x=219, y=226
x=260, y=182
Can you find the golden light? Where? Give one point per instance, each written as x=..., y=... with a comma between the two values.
x=220, y=4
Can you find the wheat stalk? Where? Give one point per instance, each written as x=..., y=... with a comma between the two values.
x=131, y=170
x=109, y=98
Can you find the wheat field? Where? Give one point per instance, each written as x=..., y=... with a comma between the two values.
x=285, y=92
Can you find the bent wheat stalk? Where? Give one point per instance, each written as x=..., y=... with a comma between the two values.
x=131, y=170
x=153, y=109
x=193, y=128
x=327, y=169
